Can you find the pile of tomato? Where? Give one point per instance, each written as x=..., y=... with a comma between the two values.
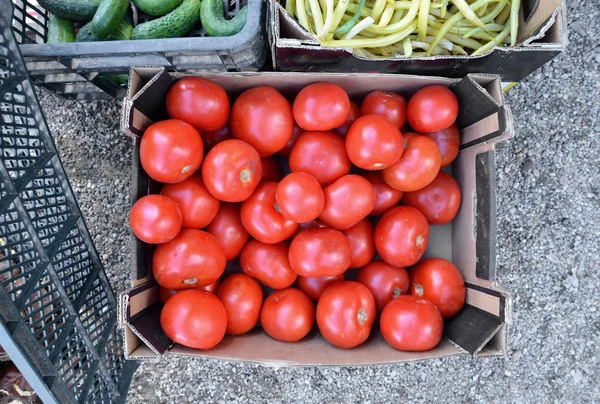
x=363, y=187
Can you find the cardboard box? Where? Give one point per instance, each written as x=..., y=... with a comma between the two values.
x=469, y=241
x=542, y=37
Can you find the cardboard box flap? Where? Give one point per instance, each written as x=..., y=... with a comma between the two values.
x=537, y=17
x=477, y=102
x=472, y=328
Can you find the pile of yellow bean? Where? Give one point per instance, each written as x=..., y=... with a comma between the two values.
x=388, y=28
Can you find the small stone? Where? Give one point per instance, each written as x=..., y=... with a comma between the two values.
x=576, y=26
x=563, y=180
x=527, y=165
x=516, y=355
x=577, y=376
x=507, y=373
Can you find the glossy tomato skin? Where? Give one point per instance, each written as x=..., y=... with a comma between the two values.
x=155, y=219
x=287, y=315
x=321, y=106
x=432, y=108
x=198, y=207
x=401, y=236
x=199, y=102
x=347, y=201
x=300, y=197
x=386, y=197
x=320, y=252
x=410, y=323
x=386, y=282
x=417, y=167
x=270, y=170
x=165, y=294
x=263, y=118
x=290, y=145
x=242, y=298
x=262, y=217
x=387, y=104
x=228, y=229
x=439, y=201
x=192, y=259
x=361, y=241
x=374, y=143
x=171, y=151
x=314, y=287
x=194, y=318
x=322, y=155
x=268, y=263
x=210, y=139
x=345, y=314
x=439, y=281
x=448, y=141
x=354, y=115
x=232, y=170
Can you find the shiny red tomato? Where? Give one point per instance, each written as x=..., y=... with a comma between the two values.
x=354, y=115
x=347, y=201
x=290, y=145
x=320, y=252
x=210, y=139
x=388, y=104
x=386, y=197
x=361, y=241
x=439, y=281
x=262, y=217
x=300, y=197
x=155, y=219
x=232, y=170
x=321, y=106
x=171, y=151
x=345, y=314
x=322, y=155
x=228, y=229
x=410, y=323
x=165, y=294
x=287, y=315
x=448, y=141
x=194, y=318
x=314, y=287
x=270, y=170
x=194, y=258
x=401, y=236
x=417, y=167
x=386, y=282
x=262, y=117
x=432, y=108
x=199, y=102
x=268, y=263
x=439, y=201
x=242, y=298
x=373, y=143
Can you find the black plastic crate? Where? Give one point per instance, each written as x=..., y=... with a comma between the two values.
x=58, y=314
x=83, y=70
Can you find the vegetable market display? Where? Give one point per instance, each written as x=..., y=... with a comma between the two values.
x=337, y=244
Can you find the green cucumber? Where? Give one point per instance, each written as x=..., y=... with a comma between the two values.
x=74, y=10
x=121, y=33
x=108, y=16
x=214, y=22
x=175, y=24
x=60, y=30
x=157, y=8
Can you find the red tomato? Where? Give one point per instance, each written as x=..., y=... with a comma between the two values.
x=199, y=102
x=155, y=219
x=354, y=114
x=322, y=155
x=345, y=314
x=268, y=263
x=386, y=282
x=210, y=139
x=439, y=281
x=300, y=197
x=320, y=252
x=386, y=197
x=262, y=217
x=287, y=315
x=361, y=241
x=314, y=287
x=194, y=258
x=290, y=145
x=448, y=141
x=165, y=294
x=347, y=201
x=439, y=201
x=232, y=170
x=432, y=108
x=198, y=207
x=410, y=323
x=417, y=167
x=262, y=117
x=242, y=298
x=321, y=106
x=385, y=103
x=194, y=318
x=270, y=170
x=228, y=229
x=373, y=143
x=401, y=236
x=171, y=151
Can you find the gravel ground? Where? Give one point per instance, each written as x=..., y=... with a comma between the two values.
x=548, y=254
